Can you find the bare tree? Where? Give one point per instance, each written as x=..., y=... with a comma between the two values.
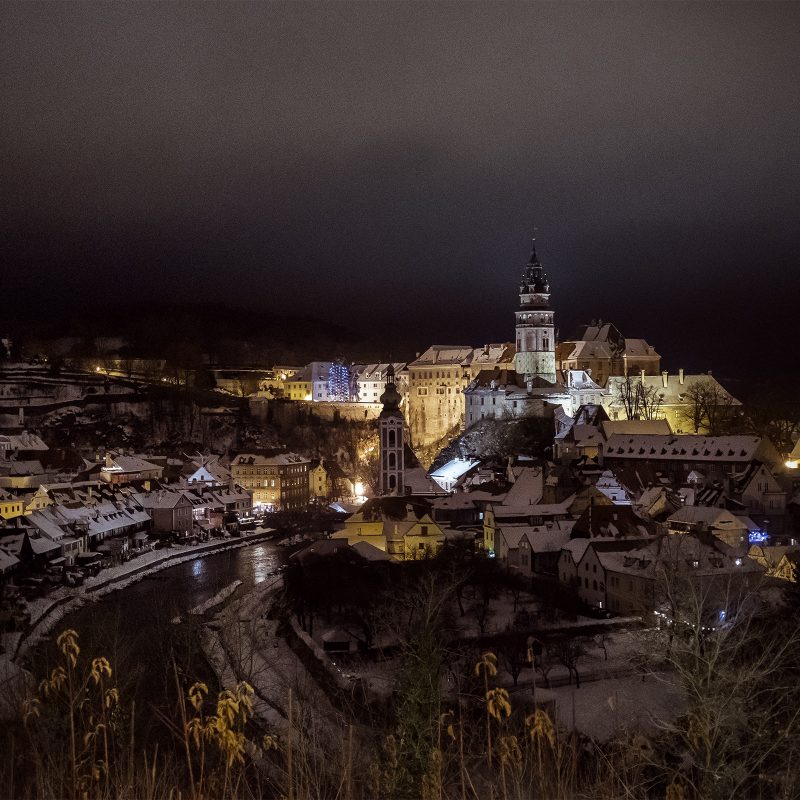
x=737, y=670
x=708, y=408
x=638, y=400
x=570, y=652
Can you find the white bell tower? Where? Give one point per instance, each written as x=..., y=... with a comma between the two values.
x=391, y=430
x=536, y=345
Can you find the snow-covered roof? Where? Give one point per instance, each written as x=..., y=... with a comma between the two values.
x=7, y=560
x=377, y=372
x=44, y=521
x=527, y=489
x=443, y=355
x=685, y=447
x=370, y=552
x=717, y=518
x=418, y=482
x=608, y=484
x=677, y=390
x=280, y=460
x=127, y=464
x=679, y=553
x=41, y=545
x=492, y=354
x=22, y=441
x=540, y=538
x=537, y=510
x=453, y=470
x=17, y=468
x=163, y=498
x=576, y=548
x=610, y=427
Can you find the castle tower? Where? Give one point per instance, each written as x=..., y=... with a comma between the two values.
x=536, y=344
x=391, y=430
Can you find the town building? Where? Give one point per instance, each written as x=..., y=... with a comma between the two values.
x=277, y=483
x=11, y=506
x=727, y=527
x=119, y=469
x=370, y=379
x=716, y=457
x=437, y=380
x=400, y=526
x=679, y=398
x=689, y=578
x=601, y=350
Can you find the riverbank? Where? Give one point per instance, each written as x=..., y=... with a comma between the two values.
x=47, y=612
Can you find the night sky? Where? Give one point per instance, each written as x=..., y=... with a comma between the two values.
x=384, y=165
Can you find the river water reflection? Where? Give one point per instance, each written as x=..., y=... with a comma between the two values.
x=134, y=627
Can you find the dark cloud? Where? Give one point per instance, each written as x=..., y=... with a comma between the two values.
x=384, y=163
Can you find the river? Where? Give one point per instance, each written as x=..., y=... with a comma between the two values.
x=134, y=629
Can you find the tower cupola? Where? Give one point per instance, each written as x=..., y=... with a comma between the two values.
x=536, y=344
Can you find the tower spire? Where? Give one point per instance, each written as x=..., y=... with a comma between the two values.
x=535, y=356
x=533, y=260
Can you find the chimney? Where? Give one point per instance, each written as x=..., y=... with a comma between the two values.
x=109, y=460
x=680, y=376
x=664, y=378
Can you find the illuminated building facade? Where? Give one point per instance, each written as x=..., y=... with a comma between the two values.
x=391, y=436
x=602, y=351
x=278, y=483
x=437, y=380
x=536, y=338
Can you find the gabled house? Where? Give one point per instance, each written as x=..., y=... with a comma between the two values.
x=720, y=522
x=495, y=515
x=169, y=510
x=402, y=527
x=759, y=491
x=532, y=549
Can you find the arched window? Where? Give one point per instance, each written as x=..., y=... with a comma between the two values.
x=392, y=481
x=392, y=439
x=392, y=461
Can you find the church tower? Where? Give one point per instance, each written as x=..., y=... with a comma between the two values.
x=391, y=430
x=536, y=345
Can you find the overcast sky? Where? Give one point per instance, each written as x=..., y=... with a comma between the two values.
x=384, y=164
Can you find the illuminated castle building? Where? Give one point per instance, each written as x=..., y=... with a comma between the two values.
x=532, y=387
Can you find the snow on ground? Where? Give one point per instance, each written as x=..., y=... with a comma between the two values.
x=220, y=597
x=243, y=645
x=618, y=706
